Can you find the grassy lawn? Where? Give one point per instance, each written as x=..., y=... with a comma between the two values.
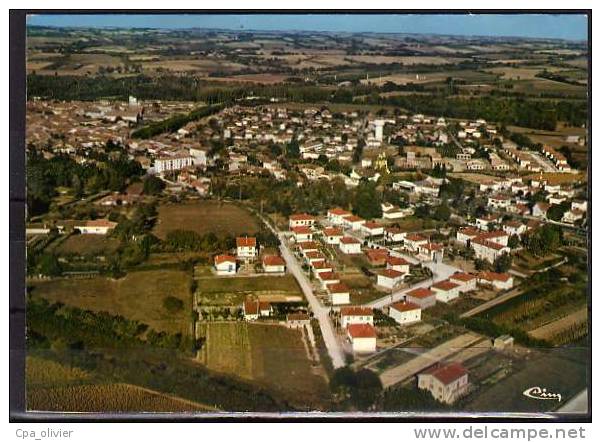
x=138, y=296
x=270, y=355
x=203, y=217
x=87, y=245
x=227, y=291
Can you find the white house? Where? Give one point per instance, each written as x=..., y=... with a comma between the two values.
x=96, y=226
x=339, y=294
x=430, y=252
x=573, y=215
x=499, y=201
x=301, y=220
x=274, y=264
x=302, y=233
x=413, y=241
x=175, y=162
x=328, y=278
x=246, y=247
x=422, y=297
x=372, y=229
x=446, y=383
x=349, y=245
x=466, y=281
x=389, y=278
x=487, y=249
x=405, y=313
x=446, y=290
x=332, y=235
x=362, y=338
x=394, y=234
x=499, y=281
x=398, y=264
x=321, y=267
x=485, y=222
x=466, y=234
x=337, y=216
x=356, y=315
x=354, y=222
x=225, y=265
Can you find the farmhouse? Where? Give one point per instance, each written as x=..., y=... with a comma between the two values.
x=176, y=162
x=314, y=257
x=362, y=338
x=253, y=309
x=499, y=281
x=446, y=383
x=356, y=315
x=246, y=248
x=297, y=320
x=301, y=220
x=430, y=252
x=389, y=278
x=446, y=290
x=339, y=294
x=405, y=313
x=332, y=235
x=349, y=245
x=321, y=267
x=499, y=201
x=274, y=264
x=540, y=209
x=225, y=265
x=307, y=246
x=96, y=226
x=354, y=222
x=466, y=281
x=466, y=234
x=485, y=222
x=328, y=278
x=514, y=227
x=571, y=216
x=422, y=297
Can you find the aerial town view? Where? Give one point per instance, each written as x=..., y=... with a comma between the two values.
x=227, y=219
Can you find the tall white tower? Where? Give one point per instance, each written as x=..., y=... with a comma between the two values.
x=379, y=124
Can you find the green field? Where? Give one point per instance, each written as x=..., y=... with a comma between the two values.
x=270, y=355
x=138, y=296
x=87, y=245
x=204, y=217
x=232, y=291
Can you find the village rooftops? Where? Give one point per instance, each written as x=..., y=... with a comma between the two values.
x=354, y=218
x=224, y=258
x=246, y=241
x=421, y=293
x=308, y=245
x=405, y=306
x=297, y=317
x=486, y=243
x=447, y=374
x=361, y=331
x=273, y=260
x=356, y=311
x=321, y=265
x=445, y=285
x=349, y=240
x=332, y=231
x=432, y=246
x=415, y=237
x=470, y=231
x=329, y=276
x=339, y=212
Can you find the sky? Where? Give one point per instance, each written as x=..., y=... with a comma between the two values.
x=569, y=27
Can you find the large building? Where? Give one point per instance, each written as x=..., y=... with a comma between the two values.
x=176, y=162
x=446, y=383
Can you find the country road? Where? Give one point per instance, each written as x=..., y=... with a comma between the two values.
x=321, y=313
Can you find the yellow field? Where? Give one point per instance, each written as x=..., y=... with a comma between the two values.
x=270, y=355
x=138, y=296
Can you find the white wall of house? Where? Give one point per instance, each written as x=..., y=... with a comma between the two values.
x=406, y=317
x=363, y=345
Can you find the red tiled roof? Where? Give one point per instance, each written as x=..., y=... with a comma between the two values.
x=432, y=246
x=338, y=288
x=349, y=240
x=447, y=373
x=470, y=231
x=297, y=317
x=354, y=218
x=321, y=265
x=356, y=311
x=487, y=243
x=328, y=276
x=405, y=306
x=332, y=231
x=389, y=273
x=421, y=293
x=314, y=255
x=308, y=245
x=465, y=277
x=246, y=241
x=224, y=258
x=494, y=276
x=251, y=307
x=372, y=225
x=338, y=211
x=301, y=217
x=302, y=229
x=415, y=237
x=100, y=223
x=273, y=260
x=445, y=285
x=361, y=331
x=397, y=261
x=376, y=254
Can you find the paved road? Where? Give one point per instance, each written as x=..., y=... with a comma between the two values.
x=489, y=304
x=401, y=372
x=321, y=313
